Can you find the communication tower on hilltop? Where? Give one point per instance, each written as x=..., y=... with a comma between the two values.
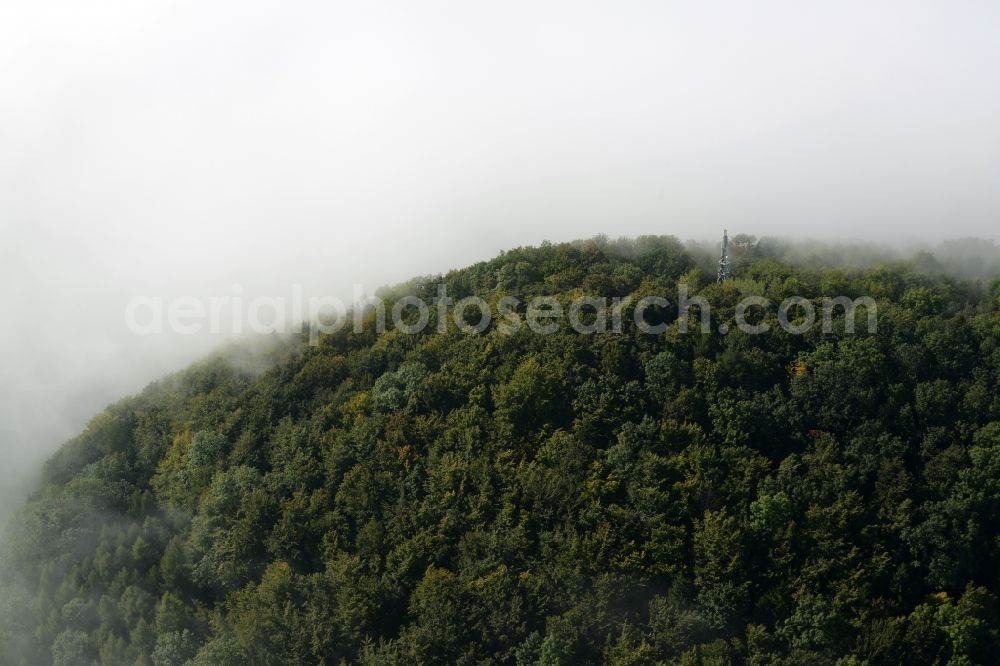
x=724, y=259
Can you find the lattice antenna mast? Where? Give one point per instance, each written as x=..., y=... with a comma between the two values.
x=724, y=259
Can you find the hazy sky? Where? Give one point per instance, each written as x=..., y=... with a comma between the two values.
x=167, y=148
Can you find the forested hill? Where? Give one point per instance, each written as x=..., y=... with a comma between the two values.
x=520, y=498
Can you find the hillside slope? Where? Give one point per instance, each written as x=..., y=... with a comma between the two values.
x=559, y=499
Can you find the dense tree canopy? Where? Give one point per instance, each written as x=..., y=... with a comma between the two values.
x=619, y=498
